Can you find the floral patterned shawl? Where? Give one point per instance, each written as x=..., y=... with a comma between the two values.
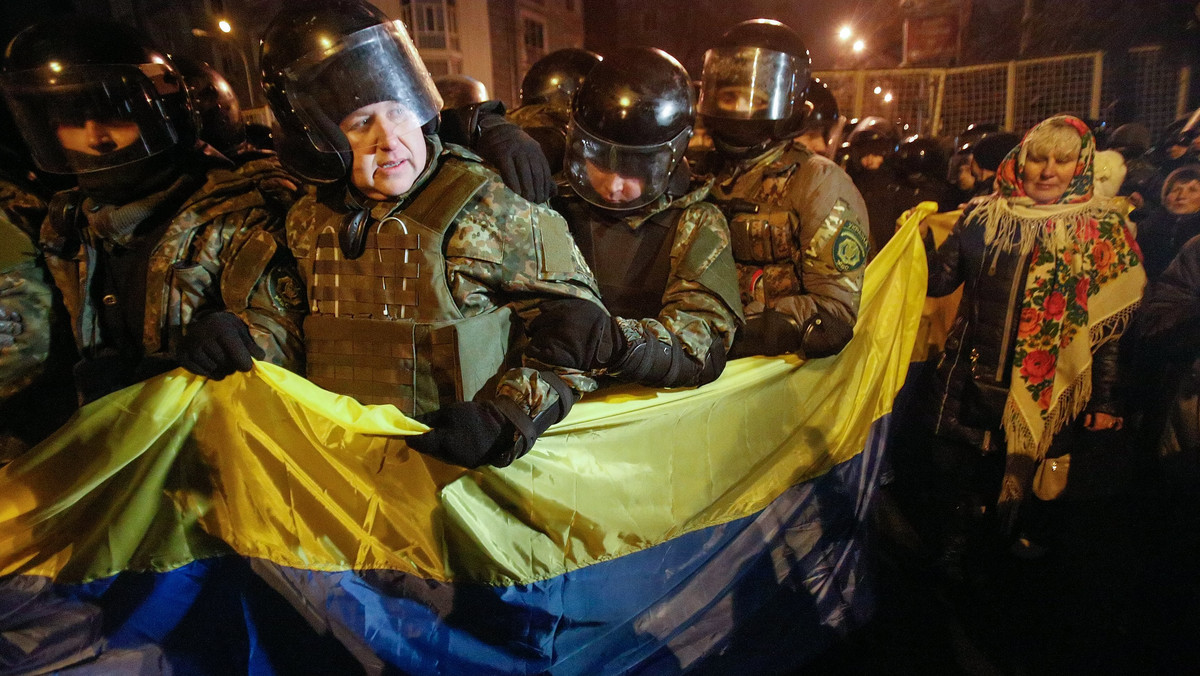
x=1084, y=283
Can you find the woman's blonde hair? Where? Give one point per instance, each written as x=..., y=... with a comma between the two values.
x=1057, y=139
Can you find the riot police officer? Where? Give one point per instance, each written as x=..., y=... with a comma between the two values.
x=822, y=124
x=661, y=254
x=165, y=254
x=546, y=93
x=798, y=225
x=421, y=265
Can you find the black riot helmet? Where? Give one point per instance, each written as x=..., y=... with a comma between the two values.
x=630, y=124
x=922, y=155
x=459, y=91
x=555, y=77
x=822, y=113
x=753, y=85
x=220, y=114
x=324, y=60
x=91, y=95
x=974, y=133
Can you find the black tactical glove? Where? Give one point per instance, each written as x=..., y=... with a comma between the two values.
x=473, y=433
x=769, y=333
x=464, y=433
x=218, y=344
x=11, y=326
x=574, y=333
x=517, y=157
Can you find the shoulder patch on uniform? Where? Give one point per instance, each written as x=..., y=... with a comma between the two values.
x=286, y=291
x=850, y=246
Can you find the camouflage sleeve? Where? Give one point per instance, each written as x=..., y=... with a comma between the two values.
x=261, y=284
x=505, y=250
x=701, y=302
x=831, y=246
x=23, y=289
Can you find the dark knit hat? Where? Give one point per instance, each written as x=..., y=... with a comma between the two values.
x=990, y=150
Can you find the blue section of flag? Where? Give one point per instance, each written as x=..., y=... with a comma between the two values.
x=755, y=595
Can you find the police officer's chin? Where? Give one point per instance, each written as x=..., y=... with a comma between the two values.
x=137, y=178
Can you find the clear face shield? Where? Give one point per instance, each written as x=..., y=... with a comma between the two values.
x=750, y=83
x=620, y=177
x=81, y=119
x=362, y=87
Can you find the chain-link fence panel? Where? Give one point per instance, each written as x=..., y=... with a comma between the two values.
x=1046, y=87
x=1157, y=87
x=907, y=97
x=973, y=95
x=1016, y=95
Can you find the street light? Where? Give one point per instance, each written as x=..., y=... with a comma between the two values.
x=226, y=28
x=844, y=33
x=858, y=46
x=887, y=98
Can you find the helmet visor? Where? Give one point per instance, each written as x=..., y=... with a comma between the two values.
x=368, y=83
x=80, y=119
x=620, y=177
x=750, y=83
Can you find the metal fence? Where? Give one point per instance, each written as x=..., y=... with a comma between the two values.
x=1015, y=94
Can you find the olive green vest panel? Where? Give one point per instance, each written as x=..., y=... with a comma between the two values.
x=384, y=328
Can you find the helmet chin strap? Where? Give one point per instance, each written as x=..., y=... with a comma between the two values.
x=739, y=152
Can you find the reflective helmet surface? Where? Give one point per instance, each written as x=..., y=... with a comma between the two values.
x=922, y=155
x=555, y=77
x=753, y=84
x=323, y=61
x=822, y=108
x=92, y=95
x=220, y=114
x=631, y=120
x=973, y=134
x=460, y=90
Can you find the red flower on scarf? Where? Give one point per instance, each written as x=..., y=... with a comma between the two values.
x=1081, y=292
x=1031, y=322
x=1038, y=366
x=1044, y=398
x=1054, y=305
x=1089, y=230
x=1103, y=255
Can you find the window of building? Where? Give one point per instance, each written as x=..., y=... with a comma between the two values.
x=433, y=23
x=534, y=30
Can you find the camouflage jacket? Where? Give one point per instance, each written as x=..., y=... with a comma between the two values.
x=699, y=303
x=222, y=250
x=799, y=232
x=495, y=255
x=24, y=288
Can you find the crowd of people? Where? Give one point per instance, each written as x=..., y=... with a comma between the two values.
x=482, y=270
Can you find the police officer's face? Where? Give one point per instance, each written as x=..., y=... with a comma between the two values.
x=1047, y=178
x=614, y=187
x=814, y=141
x=388, y=146
x=742, y=100
x=1184, y=197
x=871, y=162
x=98, y=137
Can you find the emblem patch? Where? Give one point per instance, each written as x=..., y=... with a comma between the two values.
x=850, y=247
x=285, y=289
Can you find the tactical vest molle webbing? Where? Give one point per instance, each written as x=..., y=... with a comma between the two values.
x=631, y=265
x=384, y=327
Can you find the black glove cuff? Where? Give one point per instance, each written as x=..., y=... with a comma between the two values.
x=529, y=429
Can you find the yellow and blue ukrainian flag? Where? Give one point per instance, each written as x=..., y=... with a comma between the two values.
x=258, y=523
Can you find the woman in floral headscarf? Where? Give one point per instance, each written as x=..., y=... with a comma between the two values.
x=1051, y=278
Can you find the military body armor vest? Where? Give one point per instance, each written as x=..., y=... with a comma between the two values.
x=631, y=265
x=384, y=327
x=763, y=244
